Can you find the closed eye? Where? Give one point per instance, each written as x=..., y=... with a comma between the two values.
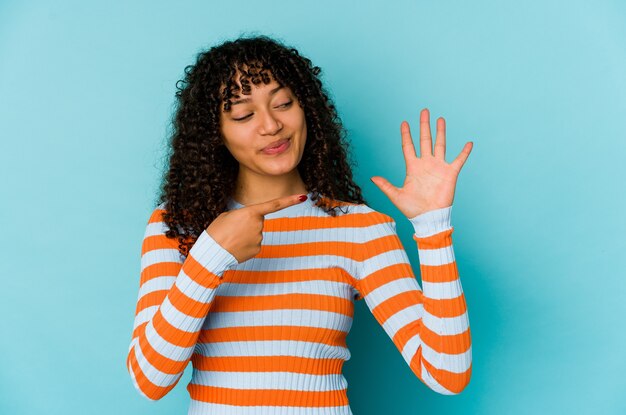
x=242, y=118
x=285, y=105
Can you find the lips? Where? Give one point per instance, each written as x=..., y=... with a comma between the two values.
x=278, y=147
x=276, y=144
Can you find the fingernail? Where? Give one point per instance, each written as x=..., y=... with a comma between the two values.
x=302, y=198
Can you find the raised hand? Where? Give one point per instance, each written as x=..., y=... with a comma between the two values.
x=430, y=181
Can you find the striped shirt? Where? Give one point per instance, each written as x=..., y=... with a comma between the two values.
x=268, y=335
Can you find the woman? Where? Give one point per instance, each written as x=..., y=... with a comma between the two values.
x=262, y=242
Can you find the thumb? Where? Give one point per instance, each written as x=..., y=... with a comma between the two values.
x=386, y=187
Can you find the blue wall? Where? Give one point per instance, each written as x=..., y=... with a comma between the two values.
x=86, y=92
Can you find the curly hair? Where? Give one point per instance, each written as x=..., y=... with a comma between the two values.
x=201, y=173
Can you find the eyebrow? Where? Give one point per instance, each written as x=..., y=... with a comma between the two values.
x=242, y=101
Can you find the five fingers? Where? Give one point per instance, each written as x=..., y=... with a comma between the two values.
x=426, y=146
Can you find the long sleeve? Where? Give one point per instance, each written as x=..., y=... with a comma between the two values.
x=431, y=327
x=174, y=298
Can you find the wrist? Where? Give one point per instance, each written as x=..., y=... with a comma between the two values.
x=432, y=222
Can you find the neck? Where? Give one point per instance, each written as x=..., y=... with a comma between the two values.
x=251, y=188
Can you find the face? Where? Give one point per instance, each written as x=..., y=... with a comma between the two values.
x=257, y=122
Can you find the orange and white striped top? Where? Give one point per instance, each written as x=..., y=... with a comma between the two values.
x=268, y=335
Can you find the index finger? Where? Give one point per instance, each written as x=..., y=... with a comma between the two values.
x=277, y=204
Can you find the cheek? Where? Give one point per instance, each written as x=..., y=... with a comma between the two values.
x=235, y=136
x=238, y=147
x=303, y=133
x=299, y=123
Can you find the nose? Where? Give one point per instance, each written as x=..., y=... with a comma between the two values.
x=270, y=125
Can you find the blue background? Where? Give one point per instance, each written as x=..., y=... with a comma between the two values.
x=86, y=95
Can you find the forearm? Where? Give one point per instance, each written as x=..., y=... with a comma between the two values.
x=445, y=356
x=163, y=345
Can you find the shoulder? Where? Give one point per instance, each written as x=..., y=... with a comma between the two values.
x=157, y=213
x=367, y=216
x=365, y=222
x=156, y=225
x=156, y=221
x=155, y=237
x=360, y=212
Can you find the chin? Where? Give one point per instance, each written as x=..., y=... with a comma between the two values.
x=278, y=167
x=280, y=170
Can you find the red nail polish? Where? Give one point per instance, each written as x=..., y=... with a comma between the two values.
x=302, y=198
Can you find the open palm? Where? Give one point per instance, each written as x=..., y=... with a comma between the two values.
x=430, y=181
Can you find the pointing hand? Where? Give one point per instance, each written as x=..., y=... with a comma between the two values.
x=240, y=231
